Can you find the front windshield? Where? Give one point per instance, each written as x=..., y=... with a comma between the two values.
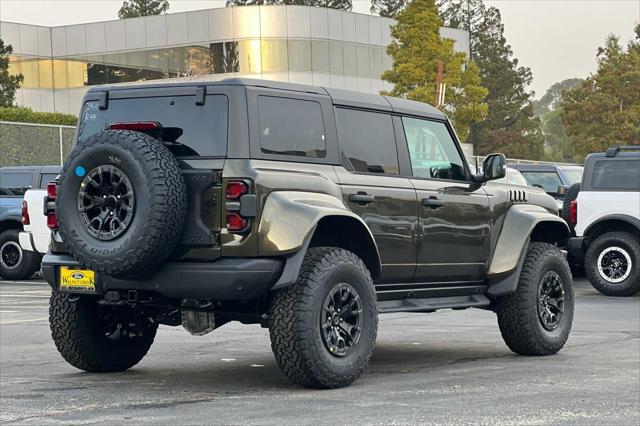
x=573, y=175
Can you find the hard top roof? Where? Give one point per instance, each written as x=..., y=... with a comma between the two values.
x=341, y=97
x=544, y=167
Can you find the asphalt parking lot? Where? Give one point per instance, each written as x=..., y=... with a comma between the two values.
x=445, y=368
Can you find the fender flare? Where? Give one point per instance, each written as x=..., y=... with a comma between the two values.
x=511, y=248
x=288, y=222
x=621, y=217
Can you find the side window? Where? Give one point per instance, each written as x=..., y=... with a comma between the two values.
x=14, y=183
x=45, y=178
x=367, y=140
x=549, y=181
x=432, y=150
x=291, y=127
x=616, y=175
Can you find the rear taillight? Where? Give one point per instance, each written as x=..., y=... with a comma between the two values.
x=49, y=205
x=234, y=220
x=52, y=221
x=52, y=191
x=573, y=214
x=25, y=213
x=139, y=126
x=236, y=189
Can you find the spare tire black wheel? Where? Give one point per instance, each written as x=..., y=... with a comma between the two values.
x=565, y=213
x=121, y=202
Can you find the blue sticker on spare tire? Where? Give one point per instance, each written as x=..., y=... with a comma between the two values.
x=80, y=171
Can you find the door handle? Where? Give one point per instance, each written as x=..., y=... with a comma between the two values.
x=432, y=202
x=362, y=198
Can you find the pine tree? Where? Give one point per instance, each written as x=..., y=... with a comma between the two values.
x=8, y=83
x=605, y=110
x=387, y=8
x=510, y=126
x=416, y=50
x=137, y=8
x=553, y=96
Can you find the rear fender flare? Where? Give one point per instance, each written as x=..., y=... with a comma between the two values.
x=288, y=222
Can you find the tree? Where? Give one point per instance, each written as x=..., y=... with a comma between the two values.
x=553, y=96
x=333, y=4
x=387, y=8
x=137, y=8
x=8, y=83
x=557, y=145
x=605, y=109
x=510, y=126
x=416, y=50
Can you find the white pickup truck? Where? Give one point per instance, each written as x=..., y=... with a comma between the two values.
x=604, y=213
x=36, y=235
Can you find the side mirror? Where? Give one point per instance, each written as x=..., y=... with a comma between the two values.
x=494, y=167
x=562, y=190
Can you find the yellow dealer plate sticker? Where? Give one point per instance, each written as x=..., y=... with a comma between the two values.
x=81, y=280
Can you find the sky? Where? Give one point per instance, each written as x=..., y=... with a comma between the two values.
x=557, y=39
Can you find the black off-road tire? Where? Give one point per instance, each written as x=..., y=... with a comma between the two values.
x=29, y=260
x=518, y=318
x=630, y=244
x=294, y=321
x=78, y=333
x=159, y=208
x=565, y=212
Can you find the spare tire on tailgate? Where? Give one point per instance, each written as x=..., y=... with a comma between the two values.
x=121, y=202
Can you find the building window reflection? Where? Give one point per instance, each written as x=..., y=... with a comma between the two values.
x=250, y=56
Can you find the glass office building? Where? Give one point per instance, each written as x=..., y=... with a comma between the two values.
x=299, y=44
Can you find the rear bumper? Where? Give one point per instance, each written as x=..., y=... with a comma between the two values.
x=575, y=247
x=223, y=279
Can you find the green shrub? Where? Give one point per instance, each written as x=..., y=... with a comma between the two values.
x=26, y=115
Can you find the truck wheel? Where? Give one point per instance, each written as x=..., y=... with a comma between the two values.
x=97, y=338
x=612, y=264
x=16, y=263
x=121, y=202
x=536, y=319
x=323, y=328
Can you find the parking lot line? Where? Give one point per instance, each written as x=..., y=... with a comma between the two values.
x=23, y=321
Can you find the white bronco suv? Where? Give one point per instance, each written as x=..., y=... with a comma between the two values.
x=604, y=212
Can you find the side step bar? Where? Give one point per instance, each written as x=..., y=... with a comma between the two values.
x=433, y=304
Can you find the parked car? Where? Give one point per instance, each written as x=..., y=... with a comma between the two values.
x=36, y=235
x=604, y=212
x=295, y=207
x=513, y=177
x=16, y=263
x=554, y=179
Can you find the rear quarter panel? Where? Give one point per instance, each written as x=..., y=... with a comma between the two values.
x=594, y=205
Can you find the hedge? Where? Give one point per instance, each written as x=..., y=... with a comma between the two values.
x=26, y=115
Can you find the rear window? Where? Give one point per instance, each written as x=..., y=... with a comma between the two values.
x=616, y=175
x=198, y=130
x=367, y=140
x=291, y=127
x=46, y=178
x=15, y=183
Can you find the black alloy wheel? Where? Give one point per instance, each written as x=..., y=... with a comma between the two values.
x=551, y=300
x=106, y=202
x=341, y=319
x=10, y=255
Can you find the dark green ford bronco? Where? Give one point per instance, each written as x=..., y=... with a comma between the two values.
x=307, y=210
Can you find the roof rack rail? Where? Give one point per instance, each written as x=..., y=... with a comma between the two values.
x=614, y=150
